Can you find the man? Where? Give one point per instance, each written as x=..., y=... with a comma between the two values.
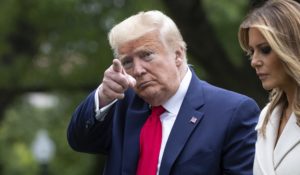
x=199, y=129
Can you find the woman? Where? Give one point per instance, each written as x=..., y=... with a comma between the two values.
x=270, y=34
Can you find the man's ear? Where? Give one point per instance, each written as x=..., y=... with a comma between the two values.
x=179, y=56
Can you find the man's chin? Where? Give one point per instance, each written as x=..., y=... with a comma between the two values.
x=148, y=95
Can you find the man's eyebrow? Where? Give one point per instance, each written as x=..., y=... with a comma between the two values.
x=124, y=57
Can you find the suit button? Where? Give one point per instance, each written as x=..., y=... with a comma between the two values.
x=88, y=124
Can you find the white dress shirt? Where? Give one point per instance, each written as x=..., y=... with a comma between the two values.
x=168, y=118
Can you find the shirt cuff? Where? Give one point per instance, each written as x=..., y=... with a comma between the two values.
x=102, y=112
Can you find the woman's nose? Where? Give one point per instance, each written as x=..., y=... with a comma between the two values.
x=256, y=61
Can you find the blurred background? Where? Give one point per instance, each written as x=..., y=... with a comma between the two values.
x=53, y=54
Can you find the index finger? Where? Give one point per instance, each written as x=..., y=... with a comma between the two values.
x=117, y=66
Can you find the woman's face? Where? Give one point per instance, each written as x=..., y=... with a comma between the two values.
x=266, y=62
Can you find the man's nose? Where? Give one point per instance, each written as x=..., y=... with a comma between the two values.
x=138, y=68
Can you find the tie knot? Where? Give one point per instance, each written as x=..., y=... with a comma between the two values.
x=157, y=110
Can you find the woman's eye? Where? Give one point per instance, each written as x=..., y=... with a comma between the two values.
x=266, y=49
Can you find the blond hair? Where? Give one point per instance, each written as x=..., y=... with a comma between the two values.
x=279, y=22
x=142, y=23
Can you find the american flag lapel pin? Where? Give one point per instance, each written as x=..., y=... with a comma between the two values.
x=193, y=120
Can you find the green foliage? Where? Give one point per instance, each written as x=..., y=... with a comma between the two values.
x=225, y=16
x=67, y=41
x=19, y=130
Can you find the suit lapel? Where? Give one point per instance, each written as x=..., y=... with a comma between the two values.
x=137, y=116
x=288, y=139
x=265, y=145
x=187, y=120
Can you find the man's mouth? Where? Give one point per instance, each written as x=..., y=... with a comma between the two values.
x=143, y=84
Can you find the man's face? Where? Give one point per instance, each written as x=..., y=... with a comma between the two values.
x=155, y=67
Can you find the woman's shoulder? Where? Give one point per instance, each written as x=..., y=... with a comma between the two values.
x=263, y=114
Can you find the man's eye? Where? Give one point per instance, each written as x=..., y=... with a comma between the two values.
x=266, y=50
x=127, y=64
x=146, y=55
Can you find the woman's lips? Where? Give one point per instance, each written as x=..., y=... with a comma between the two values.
x=262, y=76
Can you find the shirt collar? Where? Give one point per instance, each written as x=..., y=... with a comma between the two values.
x=174, y=103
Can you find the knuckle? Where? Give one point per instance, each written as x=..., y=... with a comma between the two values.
x=105, y=91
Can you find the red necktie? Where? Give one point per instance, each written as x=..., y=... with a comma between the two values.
x=150, y=141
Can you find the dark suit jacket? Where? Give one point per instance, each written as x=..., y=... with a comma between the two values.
x=221, y=141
